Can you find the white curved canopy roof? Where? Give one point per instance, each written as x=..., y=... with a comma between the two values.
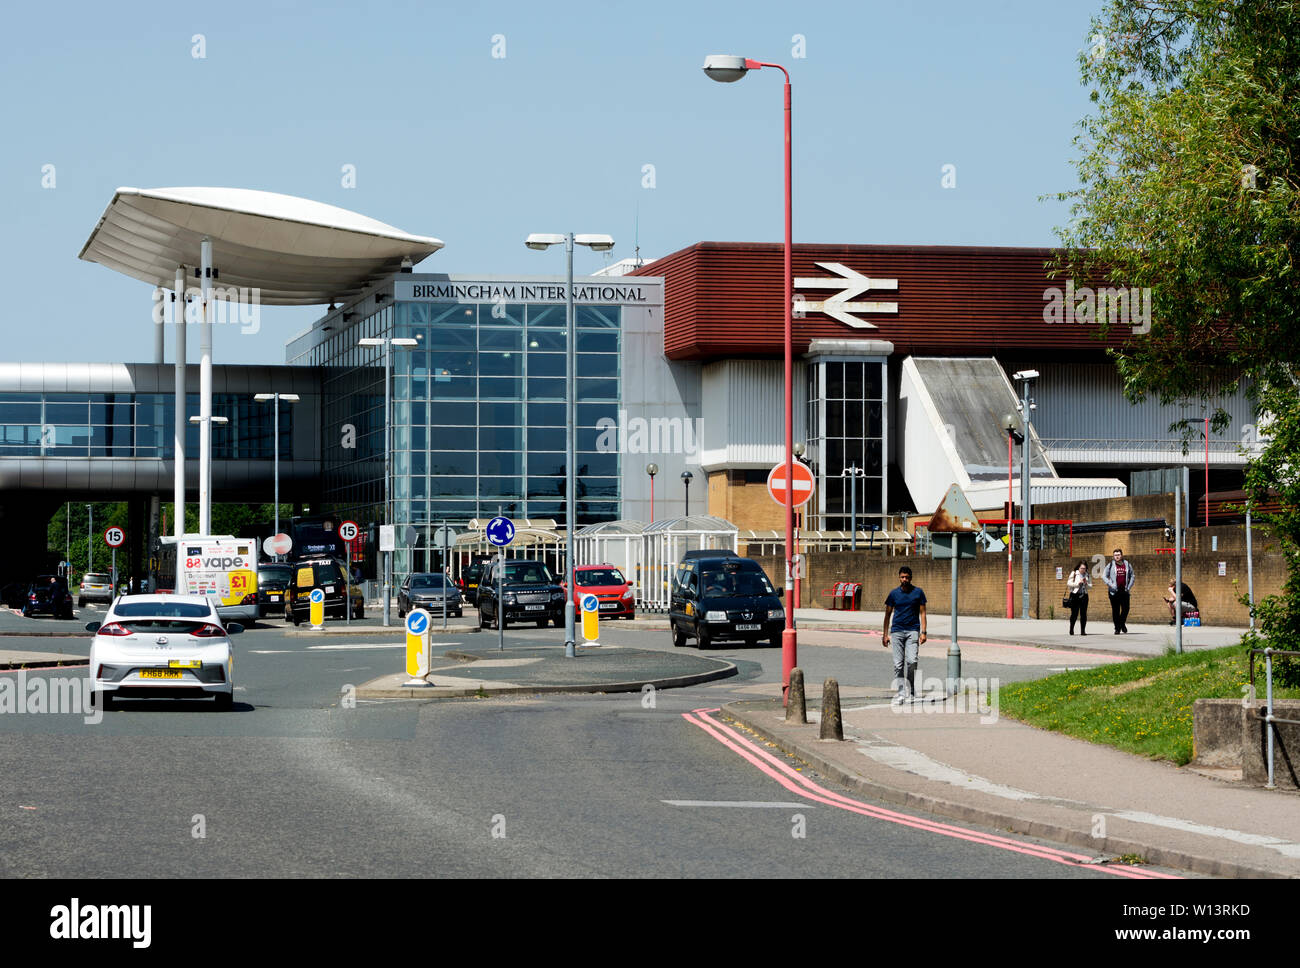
x=297, y=251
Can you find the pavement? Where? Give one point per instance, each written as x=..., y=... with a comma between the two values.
x=954, y=758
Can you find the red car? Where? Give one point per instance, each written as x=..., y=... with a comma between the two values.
x=614, y=592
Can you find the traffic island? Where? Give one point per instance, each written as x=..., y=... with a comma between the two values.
x=544, y=669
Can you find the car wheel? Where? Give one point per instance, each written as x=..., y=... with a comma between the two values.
x=704, y=640
x=297, y=619
x=81, y=603
x=401, y=612
x=225, y=700
x=102, y=698
x=679, y=637
x=482, y=619
x=361, y=612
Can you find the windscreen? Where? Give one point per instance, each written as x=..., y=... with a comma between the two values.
x=434, y=581
x=161, y=610
x=599, y=576
x=528, y=573
x=739, y=583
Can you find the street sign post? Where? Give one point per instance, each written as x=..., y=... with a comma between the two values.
x=500, y=531
x=590, y=617
x=278, y=544
x=114, y=538
x=417, y=648
x=348, y=532
x=802, y=488
x=317, y=609
x=952, y=535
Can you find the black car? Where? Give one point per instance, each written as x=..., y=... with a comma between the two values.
x=529, y=592
x=432, y=591
x=329, y=575
x=273, y=581
x=48, y=595
x=724, y=598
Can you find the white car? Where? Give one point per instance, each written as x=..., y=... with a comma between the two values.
x=162, y=645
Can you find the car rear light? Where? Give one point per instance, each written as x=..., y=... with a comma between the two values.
x=249, y=599
x=208, y=632
x=113, y=628
x=31, y=596
x=83, y=584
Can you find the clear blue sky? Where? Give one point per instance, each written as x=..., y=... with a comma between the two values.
x=478, y=150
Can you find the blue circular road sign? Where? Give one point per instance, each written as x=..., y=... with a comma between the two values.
x=417, y=622
x=501, y=531
x=318, y=595
x=590, y=603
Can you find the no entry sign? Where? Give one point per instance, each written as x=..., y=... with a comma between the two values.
x=802, y=488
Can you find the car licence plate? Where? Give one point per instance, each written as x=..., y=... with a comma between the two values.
x=748, y=628
x=534, y=608
x=161, y=674
x=608, y=606
x=274, y=598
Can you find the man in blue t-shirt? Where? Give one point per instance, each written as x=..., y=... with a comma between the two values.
x=906, y=606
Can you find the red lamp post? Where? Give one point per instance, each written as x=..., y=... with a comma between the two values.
x=727, y=68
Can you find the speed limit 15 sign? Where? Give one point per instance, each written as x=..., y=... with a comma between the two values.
x=114, y=537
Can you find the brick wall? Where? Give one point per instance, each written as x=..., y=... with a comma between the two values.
x=982, y=582
x=748, y=506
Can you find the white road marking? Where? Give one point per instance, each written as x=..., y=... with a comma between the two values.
x=746, y=804
x=1285, y=848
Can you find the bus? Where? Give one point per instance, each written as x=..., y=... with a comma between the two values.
x=219, y=565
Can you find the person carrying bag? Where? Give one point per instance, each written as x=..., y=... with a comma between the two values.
x=1076, y=597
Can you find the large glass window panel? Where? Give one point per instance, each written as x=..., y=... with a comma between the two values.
x=501, y=364
x=501, y=314
x=545, y=487
x=549, y=465
x=546, y=415
x=453, y=487
x=16, y=413
x=546, y=316
x=500, y=414
x=597, y=317
x=452, y=463
x=872, y=462
x=452, y=510
x=72, y=397
x=454, y=314
x=419, y=462
x=451, y=388
x=874, y=425
x=453, y=340
x=500, y=339
x=591, y=414
x=510, y=388
x=66, y=413
x=546, y=364
x=547, y=438
x=598, y=487
x=852, y=418
x=505, y=487
x=500, y=464
x=598, y=465
x=853, y=381
x=597, y=342
x=597, y=389
x=546, y=509
x=500, y=438
x=597, y=365
x=873, y=382
x=545, y=388
x=552, y=341
x=834, y=381
x=453, y=414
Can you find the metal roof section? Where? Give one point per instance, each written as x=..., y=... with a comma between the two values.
x=950, y=414
x=298, y=252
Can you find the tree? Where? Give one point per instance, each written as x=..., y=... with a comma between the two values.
x=1190, y=186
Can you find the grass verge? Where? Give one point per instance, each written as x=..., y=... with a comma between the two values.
x=1143, y=706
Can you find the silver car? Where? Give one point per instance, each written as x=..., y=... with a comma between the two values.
x=432, y=591
x=162, y=645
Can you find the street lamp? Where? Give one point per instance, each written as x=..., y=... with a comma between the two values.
x=853, y=472
x=652, y=470
x=597, y=243
x=90, y=525
x=275, y=435
x=727, y=68
x=1024, y=378
x=1011, y=424
x=687, y=476
x=387, y=343
x=205, y=422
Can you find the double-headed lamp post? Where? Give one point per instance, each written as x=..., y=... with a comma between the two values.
x=205, y=496
x=597, y=243
x=387, y=342
x=727, y=68
x=1024, y=378
x=853, y=472
x=275, y=435
x=1011, y=424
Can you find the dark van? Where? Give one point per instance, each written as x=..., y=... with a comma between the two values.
x=724, y=598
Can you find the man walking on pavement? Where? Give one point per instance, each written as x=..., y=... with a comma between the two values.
x=906, y=606
x=1118, y=576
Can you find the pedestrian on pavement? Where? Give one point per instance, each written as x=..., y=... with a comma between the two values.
x=906, y=606
x=1078, y=584
x=1118, y=576
x=1189, y=602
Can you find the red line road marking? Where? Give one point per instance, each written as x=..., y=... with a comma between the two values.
x=806, y=788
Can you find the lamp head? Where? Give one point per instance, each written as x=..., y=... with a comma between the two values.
x=652, y=469
x=725, y=67
x=541, y=240
x=1026, y=375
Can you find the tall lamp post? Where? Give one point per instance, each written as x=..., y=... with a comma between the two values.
x=727, y=68
x=853, y=472
x=1011, y=424
x=205, y=422
x=387, y=342
x=687, y=477
x=597, y=243
x=652, y=470
x=275, y=435
x=1024, y=378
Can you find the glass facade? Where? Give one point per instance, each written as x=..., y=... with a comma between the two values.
x=846, y=416
x=478, y=411
x=135, y=425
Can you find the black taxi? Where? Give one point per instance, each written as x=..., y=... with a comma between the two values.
x=724, y=598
